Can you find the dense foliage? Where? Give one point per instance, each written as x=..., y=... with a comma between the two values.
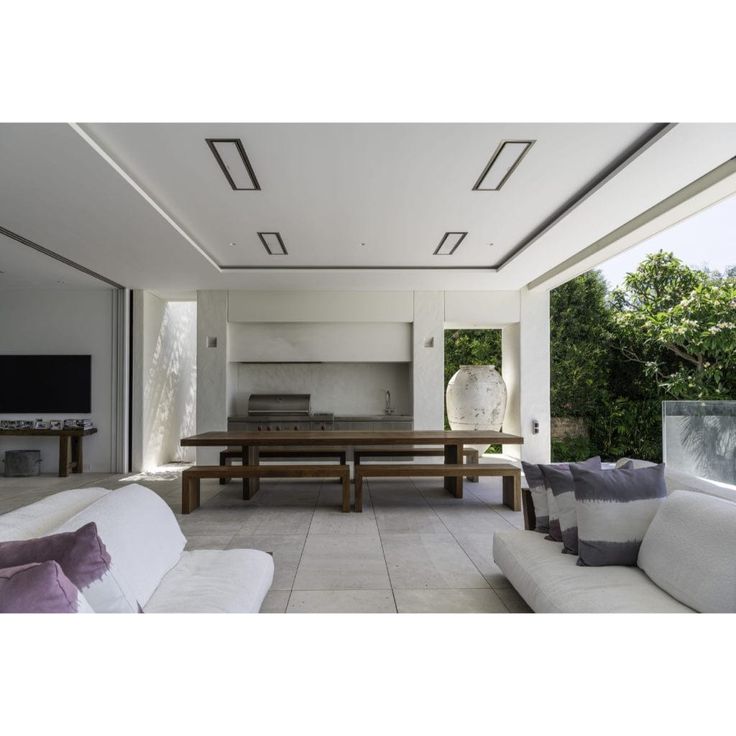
x=669, y=332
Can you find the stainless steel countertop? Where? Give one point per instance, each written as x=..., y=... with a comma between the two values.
x=373, y=417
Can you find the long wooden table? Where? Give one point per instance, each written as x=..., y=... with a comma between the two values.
x=453, y=442
x=71, y=457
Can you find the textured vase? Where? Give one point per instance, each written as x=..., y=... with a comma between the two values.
x=476, y=399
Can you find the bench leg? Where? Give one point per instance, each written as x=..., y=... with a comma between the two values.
x=345, y=480
x=190, y=496
x=512, y=491
x=358, y=491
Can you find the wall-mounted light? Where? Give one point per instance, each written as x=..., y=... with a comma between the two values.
x=273, y=244
x=233, y=160
x=449, y=244
x=502, y=164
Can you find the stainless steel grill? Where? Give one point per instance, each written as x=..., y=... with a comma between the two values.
x=280, y=412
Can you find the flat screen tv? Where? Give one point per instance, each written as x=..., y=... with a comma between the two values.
x=45, y=383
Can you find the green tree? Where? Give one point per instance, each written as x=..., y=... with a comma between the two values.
x=679, y=323
x=580, y=324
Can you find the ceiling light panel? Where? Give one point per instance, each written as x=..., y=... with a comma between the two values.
x=502, y=164
x=449, y=244
x=273, y=244
x=233, y=160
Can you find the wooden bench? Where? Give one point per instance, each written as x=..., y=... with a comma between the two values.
x=510, y=473
x=471, y=455
x=191, y=477
x=287, y=453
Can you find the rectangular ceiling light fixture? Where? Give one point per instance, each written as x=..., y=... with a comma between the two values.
x=273, y=244
x=502, y=164
x=449, y=244
x=233, y=160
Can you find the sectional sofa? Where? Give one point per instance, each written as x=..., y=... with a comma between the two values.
x=686, y=563
x=146, y=546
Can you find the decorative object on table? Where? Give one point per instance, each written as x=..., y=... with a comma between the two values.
x=55, y=424
x=476, y=399
x=22, y=463
x=23, y=424
x=40, y=424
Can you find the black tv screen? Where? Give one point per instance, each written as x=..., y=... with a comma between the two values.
x=45, y=383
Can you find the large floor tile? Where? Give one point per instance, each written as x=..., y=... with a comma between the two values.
x=341, y=601
x=270, y=520
x=342, y=562
x=513, y=601
x=479, y=547
x=408, y=519
x=208, y=541
x=286, y=550
x=429, y=561
x=449, y=601
x=275, y=602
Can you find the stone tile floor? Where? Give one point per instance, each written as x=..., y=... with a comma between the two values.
x=414, y=549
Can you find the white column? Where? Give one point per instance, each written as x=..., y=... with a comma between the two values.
x=526, y=371
x=428, y=356
x=212, y=369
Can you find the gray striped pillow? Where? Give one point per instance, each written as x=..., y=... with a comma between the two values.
x=562, y=492
x=614, y=509
x=535, y=481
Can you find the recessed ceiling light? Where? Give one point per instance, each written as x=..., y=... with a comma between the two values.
x=362, y=243
x=232, y=245
x=273, y=244
x=233, y=161
x=502, y=164
x=449, y=244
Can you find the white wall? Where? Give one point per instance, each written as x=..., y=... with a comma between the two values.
x=320, y=306
x=169, y=380
x=339, y=388
x=370, y=342
x=428, y=368
x=213, y=391
x=526, y=371
x=481, y=309
x=65, y=322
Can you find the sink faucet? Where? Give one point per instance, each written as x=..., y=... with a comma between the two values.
x=388, y=409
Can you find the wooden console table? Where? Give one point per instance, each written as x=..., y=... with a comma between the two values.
x=71, y=457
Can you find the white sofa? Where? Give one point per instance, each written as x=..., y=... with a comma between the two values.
x=687, y=562
x=147, y=548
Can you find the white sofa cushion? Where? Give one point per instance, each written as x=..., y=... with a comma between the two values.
x=551, y=582
x=142, y=536
x=43, y=517
x=689, y=550
x=215, y=581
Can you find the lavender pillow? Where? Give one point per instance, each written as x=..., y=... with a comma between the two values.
x=40, y=587
x=80, y=554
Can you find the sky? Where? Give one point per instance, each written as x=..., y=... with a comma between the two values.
x=708, y=238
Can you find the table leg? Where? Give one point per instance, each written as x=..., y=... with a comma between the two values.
x=77, y=454
x=250, y=485
x=63, y=456
x=454, y=456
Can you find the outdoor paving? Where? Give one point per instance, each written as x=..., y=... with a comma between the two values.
x=414, y=549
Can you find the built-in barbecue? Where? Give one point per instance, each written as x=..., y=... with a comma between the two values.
x=280, y=412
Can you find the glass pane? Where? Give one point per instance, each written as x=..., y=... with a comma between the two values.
x=699, y=438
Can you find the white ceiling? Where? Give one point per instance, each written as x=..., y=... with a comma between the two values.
x=22, y=267
x=147, y=206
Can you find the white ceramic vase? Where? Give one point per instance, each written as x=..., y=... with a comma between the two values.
x=476, y=399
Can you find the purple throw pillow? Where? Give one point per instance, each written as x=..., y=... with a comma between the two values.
x=40, y=587
x=81, y=554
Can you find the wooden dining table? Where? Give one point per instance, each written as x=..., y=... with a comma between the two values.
x=453, y=442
